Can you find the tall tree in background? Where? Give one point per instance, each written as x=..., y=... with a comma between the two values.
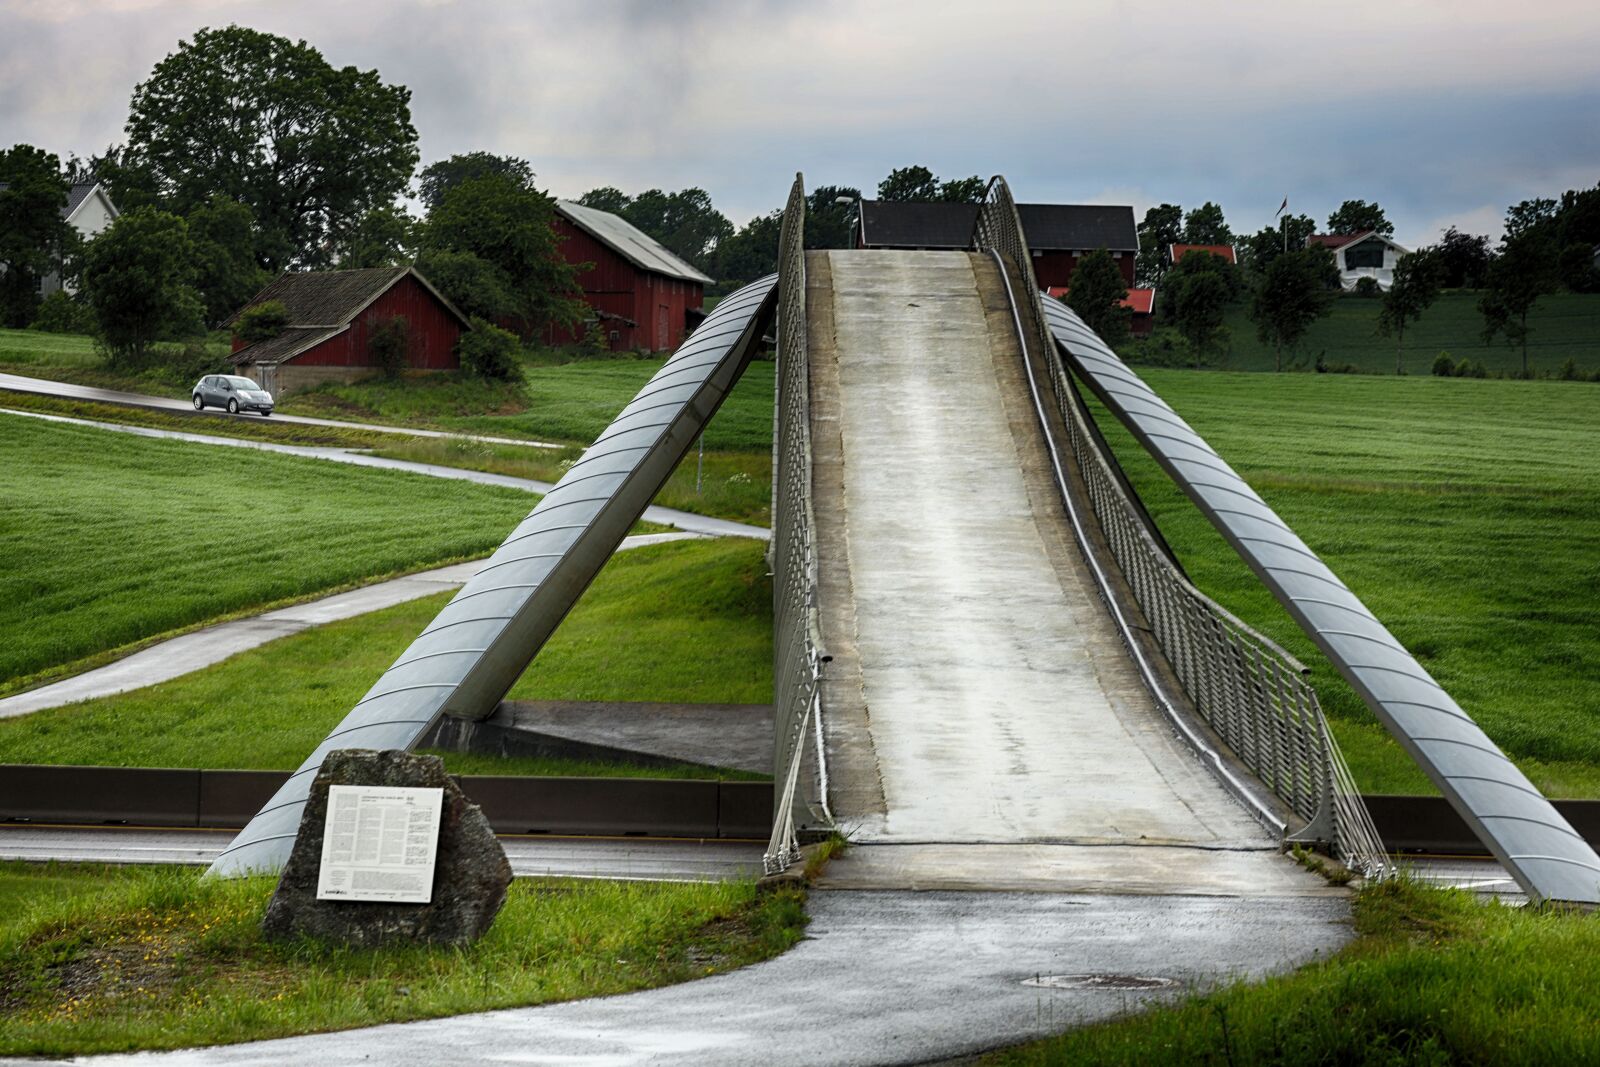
x=1463, y=259
x=919, y=184
x=828, y=222
x=753, y=251
x=1292, y=295
x=606, y=198
x=1415, y=286
x=495, y=233
x=226, y=275
x=270, y=124
x=33, y=236
x=1524, y=271
x=439, y=178
x=1358, y=216
x=963, y=190
x=139, y=276
x=1206, y=226
x=1259, y=250
x=1199, y=288
x=1162, y=227
x=1096, y=294
x=383, y=237
x=1534, y=217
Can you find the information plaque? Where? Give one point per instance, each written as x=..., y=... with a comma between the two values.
x=379, y=843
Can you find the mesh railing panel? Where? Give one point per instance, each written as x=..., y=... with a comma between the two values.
x=1248, y=690
x=797, y=655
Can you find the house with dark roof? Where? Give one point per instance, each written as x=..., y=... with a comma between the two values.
x=331, y=318
x=642, y=296
x=88, y=210
x=1058, y=235
x=1361, y=255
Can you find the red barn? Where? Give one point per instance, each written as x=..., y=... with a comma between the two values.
x=1058, y=235
x=644, y=296
x=331, y=318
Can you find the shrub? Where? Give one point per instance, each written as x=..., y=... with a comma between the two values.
x=1471, y=368
x=261, y=322
x=1367, y=287
x=1444, y=366
x=60, y=313
x=389, y=342
x=1568, y=371
x=487, y=351
x=192, y=361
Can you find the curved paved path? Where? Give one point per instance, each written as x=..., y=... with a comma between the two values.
x=67, y=391
x=883, y=978
x=202, y=648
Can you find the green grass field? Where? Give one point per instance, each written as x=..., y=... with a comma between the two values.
x=97, y=959
x=1465, y=513
x=1434, y=977
x=74, y=358
x=1563, y=326
x=111, y=540
x=688, y=621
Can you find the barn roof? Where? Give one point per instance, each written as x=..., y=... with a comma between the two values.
x=284, y=347
x=1047, y=227
x=1138, y=301
x=1177, y=252
x=628, y=241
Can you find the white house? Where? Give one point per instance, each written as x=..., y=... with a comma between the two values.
x=1361, y=255
x=89, y=210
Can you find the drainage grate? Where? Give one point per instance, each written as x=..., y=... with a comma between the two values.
x=1099, y=981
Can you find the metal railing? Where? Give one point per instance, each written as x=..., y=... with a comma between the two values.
x=1247, y=689
x=796, y=637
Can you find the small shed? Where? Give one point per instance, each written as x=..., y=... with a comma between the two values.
x=1058, y=235
x=331, y=318
x=642, y=296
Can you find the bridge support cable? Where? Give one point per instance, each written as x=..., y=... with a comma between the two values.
x=1518, y=824
x=797, y=649
x=480, y=643
x=1239, y=700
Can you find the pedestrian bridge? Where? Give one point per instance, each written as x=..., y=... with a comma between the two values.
x=986, y=658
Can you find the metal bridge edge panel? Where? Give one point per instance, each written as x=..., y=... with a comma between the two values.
x=1521, y=827
x=466, y=668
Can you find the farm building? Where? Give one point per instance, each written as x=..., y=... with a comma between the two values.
x=332, y=315
x=1225, y=252
x=1141, y=305
x=1361, y=255
x=1058, y=235
x=643, y=296
x=88, y=210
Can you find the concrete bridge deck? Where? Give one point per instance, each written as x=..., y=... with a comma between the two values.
x=979, y=692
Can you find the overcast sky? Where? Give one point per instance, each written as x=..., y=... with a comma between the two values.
x=1444, y=112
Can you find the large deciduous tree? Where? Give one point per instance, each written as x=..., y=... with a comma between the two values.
x=1415, y=286
x=268, y=123
x=1524, y=271
x=1292, y=295
x=1358, y=216
x=828, y=222
x=139, y=276
x=1198, y=290
x=1258, y=251
x=1205, y=225
x=918, y=183
x=516, y=270
x=1161, y=229
x=753, y=251
x=1463, y=259
x=439, y=178
x=33, y=236
x=226, y=275
x=1097, y=293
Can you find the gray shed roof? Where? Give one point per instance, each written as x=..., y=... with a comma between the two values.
x=628, y=241
x=284, y=347
x=1048, y=227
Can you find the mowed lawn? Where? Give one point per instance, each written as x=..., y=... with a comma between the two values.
x=1562, y=326
x=1465, y=513
x=107, y=540
x=688, y=621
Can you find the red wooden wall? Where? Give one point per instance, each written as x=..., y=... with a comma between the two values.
x=1055, y=268
x=434, y=331
x=658, y=304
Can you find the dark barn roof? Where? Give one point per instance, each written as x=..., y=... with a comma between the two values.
x=1047, y=227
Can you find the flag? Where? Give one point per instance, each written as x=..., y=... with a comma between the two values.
x=1282, y=207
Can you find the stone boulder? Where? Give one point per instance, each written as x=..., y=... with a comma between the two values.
x=470, y=876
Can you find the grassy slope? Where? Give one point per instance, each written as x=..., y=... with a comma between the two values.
x=686, y=621
x=73, y=358
x=1434, y=978
x=1466, y=515
x=110, y=539
x=1562, y=326
x=98, y=960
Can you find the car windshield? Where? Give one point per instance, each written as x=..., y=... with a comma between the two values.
x=244, y=383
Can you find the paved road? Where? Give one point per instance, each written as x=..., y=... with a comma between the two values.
x=628, y=859
x=45, y=387
x=202, y=648
x=883, y=978
x=683, y=520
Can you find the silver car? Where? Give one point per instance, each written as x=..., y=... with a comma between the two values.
x=231, y=392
